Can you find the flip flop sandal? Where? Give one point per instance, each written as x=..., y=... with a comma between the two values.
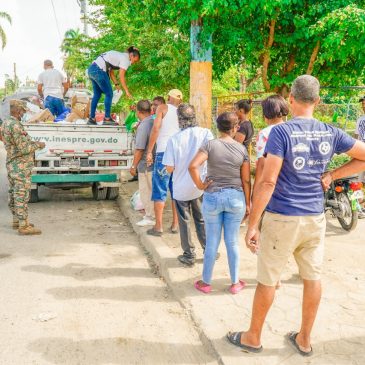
x=291, y=338
x=153, y=232
x=174, y=230
x=235, y=339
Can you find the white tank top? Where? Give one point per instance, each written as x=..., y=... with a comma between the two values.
x=169, y=127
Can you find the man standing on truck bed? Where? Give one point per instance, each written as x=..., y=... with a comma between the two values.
x=101, y=73
x=52, y=87
x=19, y=163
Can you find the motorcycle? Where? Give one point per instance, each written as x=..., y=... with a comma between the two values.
x=342, y=199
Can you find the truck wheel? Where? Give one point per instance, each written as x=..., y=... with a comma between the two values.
x=112, y=193
x=99, y=193
x=34, y=196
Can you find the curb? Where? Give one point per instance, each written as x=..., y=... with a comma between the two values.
x=161, y=255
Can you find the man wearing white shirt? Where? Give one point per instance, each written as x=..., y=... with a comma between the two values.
x=165, y=125
x=181, y=149
x=52, y=87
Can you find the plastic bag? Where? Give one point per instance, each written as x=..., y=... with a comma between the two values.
x=136, y=202
x=62, y=116
x=130, y=120
x=33, y=108
x=116, y=96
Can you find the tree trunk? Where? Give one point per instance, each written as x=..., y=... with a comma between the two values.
x=283, y=90
x=243, y=83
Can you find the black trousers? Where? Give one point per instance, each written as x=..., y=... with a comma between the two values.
x=186, y=209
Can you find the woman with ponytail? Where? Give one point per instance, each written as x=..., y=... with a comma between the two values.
x=101, y=74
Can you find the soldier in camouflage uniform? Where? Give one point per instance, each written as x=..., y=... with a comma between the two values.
x=19, y=163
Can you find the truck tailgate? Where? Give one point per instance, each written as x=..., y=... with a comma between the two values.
x=79, y=138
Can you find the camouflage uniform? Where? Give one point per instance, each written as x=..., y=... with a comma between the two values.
x=19, y=163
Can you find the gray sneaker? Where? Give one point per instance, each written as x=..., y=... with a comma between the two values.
x=186, y=260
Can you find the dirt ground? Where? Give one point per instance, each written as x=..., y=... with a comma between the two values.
x=84, y=292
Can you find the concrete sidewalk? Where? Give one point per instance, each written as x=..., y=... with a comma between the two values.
x=339, y=333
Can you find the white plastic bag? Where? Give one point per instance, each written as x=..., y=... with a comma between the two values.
x=34, y=109
x=136, y=201
x=116, y=96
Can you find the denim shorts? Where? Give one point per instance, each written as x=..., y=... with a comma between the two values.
x=55, y=105
x=161, y=180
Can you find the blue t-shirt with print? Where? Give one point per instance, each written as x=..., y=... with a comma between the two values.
x=306, y=147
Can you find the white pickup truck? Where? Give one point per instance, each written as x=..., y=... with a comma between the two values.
x=81, y=155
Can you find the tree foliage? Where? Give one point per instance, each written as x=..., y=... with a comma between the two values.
x=7, y=17
x=273, y=41
x=75, y=54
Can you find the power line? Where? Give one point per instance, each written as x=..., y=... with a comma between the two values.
x=57, y=25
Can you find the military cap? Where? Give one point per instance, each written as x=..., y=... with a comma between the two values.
x=20, y=104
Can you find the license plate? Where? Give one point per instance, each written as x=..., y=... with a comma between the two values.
x=72, y=163
x=358, y=194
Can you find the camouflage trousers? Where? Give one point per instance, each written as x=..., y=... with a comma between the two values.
x=19, y=176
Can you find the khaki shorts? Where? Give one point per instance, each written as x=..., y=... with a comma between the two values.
x=282, y=236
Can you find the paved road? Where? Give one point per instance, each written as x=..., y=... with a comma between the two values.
x=83, y=292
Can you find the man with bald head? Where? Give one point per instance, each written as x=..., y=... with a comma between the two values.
x=52, y=87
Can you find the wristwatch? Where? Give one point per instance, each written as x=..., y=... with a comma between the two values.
x=133, y=167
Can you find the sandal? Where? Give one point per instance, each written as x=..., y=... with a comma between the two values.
x=174, y=230
x=153, y=232
x=292, y=340
x=109, y=121
x=235, y=339
x=236, y=288
x=201, y=286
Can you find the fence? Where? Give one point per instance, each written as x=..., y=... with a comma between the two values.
x=342, y=115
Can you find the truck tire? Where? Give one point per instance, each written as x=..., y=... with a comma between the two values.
x=34, y=196
x=99, y=193
x=112, y=193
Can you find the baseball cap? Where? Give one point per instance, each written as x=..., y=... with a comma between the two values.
x=18, y=104
x=175, y=93
x=362, y=99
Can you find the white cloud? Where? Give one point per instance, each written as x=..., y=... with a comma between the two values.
x=33, y=35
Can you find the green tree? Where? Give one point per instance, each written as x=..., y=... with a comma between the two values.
x=278, y=39
x=164, y=48
x=7, y=17
x=75, y=54
x=269, y=43
x=10, y=84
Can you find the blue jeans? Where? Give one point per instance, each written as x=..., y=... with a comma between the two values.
x=161, y=180
x=101, y=85
x=222, y=209
x=55, y=105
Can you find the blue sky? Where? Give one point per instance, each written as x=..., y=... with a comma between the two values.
x=34, y=36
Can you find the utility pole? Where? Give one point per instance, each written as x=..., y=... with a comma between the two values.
x=15, y=78
x=201, y=73
x=83, y=6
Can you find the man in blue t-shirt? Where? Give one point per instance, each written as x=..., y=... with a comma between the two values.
x=291, y=195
